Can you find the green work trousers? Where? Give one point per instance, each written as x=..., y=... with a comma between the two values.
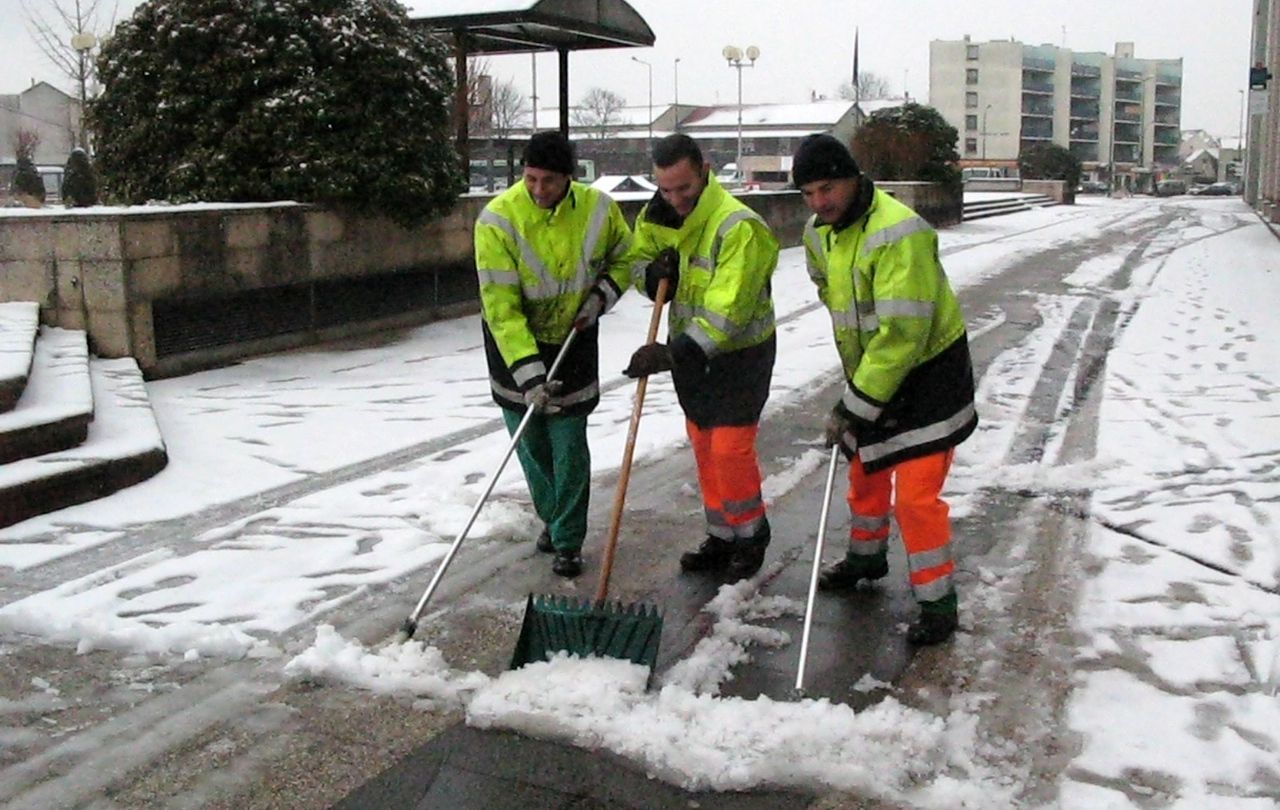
x=557, y=466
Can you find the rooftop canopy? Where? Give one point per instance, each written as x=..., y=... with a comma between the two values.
x=515, y=26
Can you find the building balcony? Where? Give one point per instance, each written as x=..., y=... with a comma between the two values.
x=1084, y=151
x=1086, y=110
x=1034, y=65
x=1034, y=84
x=1087, y=71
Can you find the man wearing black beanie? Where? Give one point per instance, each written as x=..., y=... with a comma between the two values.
x=909, y=395
x=534, y=246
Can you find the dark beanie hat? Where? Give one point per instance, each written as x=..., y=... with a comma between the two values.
x=550, y=151
x=821, y=157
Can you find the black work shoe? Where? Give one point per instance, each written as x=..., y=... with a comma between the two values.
x=544, y=542
x=846, y=574
x=748, y=556
x=712, y=555
x=932, y=628
x=567, y=564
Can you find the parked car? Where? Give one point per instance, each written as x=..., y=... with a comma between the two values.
x=1170, y=188
x=1091, y=187
x=1219, y=190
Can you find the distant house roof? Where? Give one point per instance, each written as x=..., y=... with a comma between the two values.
x=1201, y=154
x=816, y=114
x=611, y=183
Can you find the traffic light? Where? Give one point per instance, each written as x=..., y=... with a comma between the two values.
x=1258, y=77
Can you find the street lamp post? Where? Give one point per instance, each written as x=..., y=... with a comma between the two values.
x=649, y=68
x=83, y=42
x=676, y=103
x=984, y=130
x=1240, y=143
x=734, y=56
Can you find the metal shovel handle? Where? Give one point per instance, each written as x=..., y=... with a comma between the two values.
x=817, y=567
x=493, y=480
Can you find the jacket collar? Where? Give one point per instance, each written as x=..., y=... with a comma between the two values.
x=860, y=206
x=660, y=212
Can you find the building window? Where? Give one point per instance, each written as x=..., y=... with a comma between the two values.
x=971, y=101
x=971, y=76
x=971, y=52
x=971, y=146
x=971, y=123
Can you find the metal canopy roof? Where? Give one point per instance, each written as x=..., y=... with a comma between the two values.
x=514, y=26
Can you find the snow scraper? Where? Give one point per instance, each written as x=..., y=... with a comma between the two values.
x=411, y=624
x=598, y=627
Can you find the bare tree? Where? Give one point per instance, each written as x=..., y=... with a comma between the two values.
x=69, y=33
x=600, y=111
x=506, y=112
x=871, y=86
x=54, y=23
x=25, y=143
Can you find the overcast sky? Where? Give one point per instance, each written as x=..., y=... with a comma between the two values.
x=807, y=46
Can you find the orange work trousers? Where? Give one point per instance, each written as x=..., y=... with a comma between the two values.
x=729, y=476
x=914, y=489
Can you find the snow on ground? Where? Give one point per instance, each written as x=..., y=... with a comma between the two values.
x=1186, y=542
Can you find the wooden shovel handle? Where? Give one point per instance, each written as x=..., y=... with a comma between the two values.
x=624, y=475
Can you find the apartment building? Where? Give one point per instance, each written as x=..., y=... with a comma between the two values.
x=1121, y=116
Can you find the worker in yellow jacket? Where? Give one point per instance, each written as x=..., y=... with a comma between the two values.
x=719, y=256
x=909, y=394
x=551, y=255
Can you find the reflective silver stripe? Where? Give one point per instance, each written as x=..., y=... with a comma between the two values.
x=869, y=323
x=844, y=320
x=924, y=560
x=919, y=436
x=572, y=398
x=717, y=526
x=610, y=297
x=742, y=507
x=528, y=255
x=867, y=548
x=507, y=278
x=700, y=261
x=704, y=341
x=595, y=227
x=637, y=274
x=528, y=371
x=904, y=308
x=725, y=226
x=680, y=311
x=870, y=524
x=860, y=407
x=933, y=591
x=619, y=250
x=893, y=234
x=752, y=329
x=748, y=530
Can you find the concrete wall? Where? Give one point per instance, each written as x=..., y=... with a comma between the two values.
x=106, y=270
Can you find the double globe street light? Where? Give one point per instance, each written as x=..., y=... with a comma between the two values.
x=735, y=57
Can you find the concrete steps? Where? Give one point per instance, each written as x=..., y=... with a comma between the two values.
x=77, y=427
x=1006, y=205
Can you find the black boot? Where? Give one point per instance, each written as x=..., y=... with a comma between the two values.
x=938, y=620
x=544, y=542
x=567, y=564
x=712, y=555
x=846, y=574
x=748, y=555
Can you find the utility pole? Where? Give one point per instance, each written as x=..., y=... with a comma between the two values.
x=676, y=104
x=649, y=68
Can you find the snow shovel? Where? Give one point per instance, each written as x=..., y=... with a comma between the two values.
x=817, y=566
x=611, y=629
x=411, y=624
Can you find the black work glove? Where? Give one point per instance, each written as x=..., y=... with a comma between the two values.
x=649, y=359
x=838, y=430
x=665, y=265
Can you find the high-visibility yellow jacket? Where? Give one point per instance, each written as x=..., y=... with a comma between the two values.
x=536, y=267
x=898, y=329
x=720, y=323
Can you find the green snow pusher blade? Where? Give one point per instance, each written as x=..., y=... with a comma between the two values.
x=580, y=627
